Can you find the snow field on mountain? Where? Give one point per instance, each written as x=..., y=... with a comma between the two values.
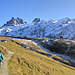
x=51, y=29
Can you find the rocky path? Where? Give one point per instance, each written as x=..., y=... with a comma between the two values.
x=4, y=70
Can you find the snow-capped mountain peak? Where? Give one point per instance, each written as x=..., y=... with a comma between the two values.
x=39, y=28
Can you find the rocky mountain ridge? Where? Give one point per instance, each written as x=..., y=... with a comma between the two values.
x=39, y=28
x=14, y=21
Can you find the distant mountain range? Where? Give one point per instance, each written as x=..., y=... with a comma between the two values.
x=39, y=28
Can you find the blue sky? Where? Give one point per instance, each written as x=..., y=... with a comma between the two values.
x=30, y=9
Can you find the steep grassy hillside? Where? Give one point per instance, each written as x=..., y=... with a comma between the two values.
x=28, y=62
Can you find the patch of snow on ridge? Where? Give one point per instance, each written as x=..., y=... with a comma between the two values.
x=8, y=30
x=1, y=29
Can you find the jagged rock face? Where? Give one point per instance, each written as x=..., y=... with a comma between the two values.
x=14, y=21
x=36, y=20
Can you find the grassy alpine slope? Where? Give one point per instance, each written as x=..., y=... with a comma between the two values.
x=27, y=62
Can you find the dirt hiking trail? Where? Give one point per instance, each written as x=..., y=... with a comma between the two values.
x=4, y=67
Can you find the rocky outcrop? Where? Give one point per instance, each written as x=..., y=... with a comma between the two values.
x=36, y=20
x=14, y=21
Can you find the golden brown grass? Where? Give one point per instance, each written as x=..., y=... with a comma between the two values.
x=27, y=62
x=3, y=49
x=29, y=43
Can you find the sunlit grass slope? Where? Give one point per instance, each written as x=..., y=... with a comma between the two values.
x=27, y=62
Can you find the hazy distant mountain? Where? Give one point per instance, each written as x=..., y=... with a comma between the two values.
x=39, y=28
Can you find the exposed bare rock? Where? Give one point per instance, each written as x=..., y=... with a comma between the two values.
x=14, y=21
x=36, y=20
